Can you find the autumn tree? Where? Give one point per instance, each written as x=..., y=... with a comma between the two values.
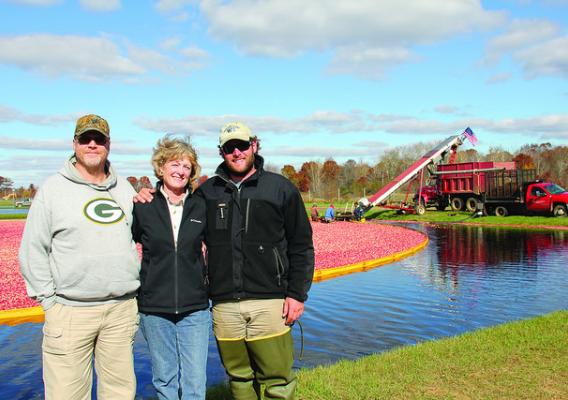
x=524, y=161
x=498, y=154
x=536, y=151
x=32, y=190
x=6, y=185
x=469, y=155
x=290, y=172
x=313, y=175
x=556, y=161
x=330, y=173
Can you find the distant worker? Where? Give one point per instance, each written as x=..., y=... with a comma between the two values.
x=330, y=214
x=358, y=212
x=315, y=213
x=79, y=262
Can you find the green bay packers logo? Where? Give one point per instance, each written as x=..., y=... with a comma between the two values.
x=103, y=211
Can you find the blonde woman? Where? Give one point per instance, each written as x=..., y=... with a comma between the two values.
x=173, y=303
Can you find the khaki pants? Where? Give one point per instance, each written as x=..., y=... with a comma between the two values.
x=248, y=319
x=72, y=335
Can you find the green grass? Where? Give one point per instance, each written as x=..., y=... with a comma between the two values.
x=13, y=216
x=465, y=217
x=519, y=360
x=6, y=203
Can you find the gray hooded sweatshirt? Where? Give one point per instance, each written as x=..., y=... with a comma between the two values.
x=77, y=246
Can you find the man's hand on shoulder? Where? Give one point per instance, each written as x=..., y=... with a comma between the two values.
x=145, y=195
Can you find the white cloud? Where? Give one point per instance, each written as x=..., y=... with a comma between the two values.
x=333, y=122
x=548, y=58
x=43, y=3
x=498, y=78
x=8, y=142
x=368, y=62
x=100, y=5
x=445, y=109
x=320, y=121
x=194, y=52
x=371, y=35
x=306, y=153
x=173, y=5
x=150, y=59
x=89, y=58
x=535, y=45
x=86, y=58
x=520, y=34
x=8, y=114
x=171, y=43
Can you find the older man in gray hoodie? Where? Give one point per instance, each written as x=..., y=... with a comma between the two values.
x=79, y=261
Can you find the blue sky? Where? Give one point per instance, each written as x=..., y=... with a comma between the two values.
x=314, y=79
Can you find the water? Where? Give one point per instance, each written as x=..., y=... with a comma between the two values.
x=467, y=278
x=11, y=211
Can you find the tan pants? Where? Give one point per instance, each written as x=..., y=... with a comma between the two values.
x=72, y=335
x=248, y=319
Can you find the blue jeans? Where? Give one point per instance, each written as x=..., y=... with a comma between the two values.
x=178, y=347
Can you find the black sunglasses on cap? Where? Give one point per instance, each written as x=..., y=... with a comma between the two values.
x=86, y=138
x=229, y=147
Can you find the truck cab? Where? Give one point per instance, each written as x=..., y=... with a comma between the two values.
x=545, y=198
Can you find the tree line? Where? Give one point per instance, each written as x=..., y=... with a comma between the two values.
x=355, y=179
x=9, y=192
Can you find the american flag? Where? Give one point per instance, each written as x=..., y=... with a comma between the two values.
x=470, y=135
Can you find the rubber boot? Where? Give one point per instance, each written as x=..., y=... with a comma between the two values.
x=235, y=359
x=273, y=359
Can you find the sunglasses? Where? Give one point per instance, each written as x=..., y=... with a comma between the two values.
x=99, y=139
x=229, y=147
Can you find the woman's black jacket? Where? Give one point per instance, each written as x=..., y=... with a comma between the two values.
x=172, y=280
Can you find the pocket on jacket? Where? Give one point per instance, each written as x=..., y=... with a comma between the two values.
x=264, y=269
x=220, y=269
x=222, y=215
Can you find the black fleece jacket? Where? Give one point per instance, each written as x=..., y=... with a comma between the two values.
x=259, y=238
x=172, y=280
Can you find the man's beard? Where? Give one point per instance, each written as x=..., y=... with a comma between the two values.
x=241, y=173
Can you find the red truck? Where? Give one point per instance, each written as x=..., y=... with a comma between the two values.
x=494, y=187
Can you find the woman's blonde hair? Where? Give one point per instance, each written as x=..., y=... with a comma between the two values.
x=171, y=148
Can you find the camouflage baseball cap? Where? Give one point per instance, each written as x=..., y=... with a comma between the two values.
x=92, y=122
x=234, y=130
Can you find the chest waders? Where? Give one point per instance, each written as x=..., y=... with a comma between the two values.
x=260, y=368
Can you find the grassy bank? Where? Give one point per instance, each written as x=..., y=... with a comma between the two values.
x=13, y=216
x=519, y=360
x=466, y=217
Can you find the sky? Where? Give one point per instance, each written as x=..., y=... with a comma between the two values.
x=314, y=79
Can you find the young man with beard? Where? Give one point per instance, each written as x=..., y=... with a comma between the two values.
x=261, y=263
x=78, y=260
x=260, y=266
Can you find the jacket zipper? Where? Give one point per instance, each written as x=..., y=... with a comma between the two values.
x=176, y=277
x=247, y=216
x=279, y=270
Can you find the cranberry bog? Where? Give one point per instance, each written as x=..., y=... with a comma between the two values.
x=340, y=248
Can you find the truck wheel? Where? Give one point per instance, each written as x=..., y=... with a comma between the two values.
x=560, y=211
x=420, y=209
x=471, y=204
x=501, y=211
x=457, y=204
